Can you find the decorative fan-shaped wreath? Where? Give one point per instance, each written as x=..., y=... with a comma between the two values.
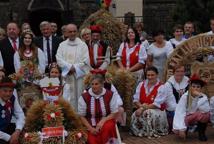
x=43, y=114
x=113, y=31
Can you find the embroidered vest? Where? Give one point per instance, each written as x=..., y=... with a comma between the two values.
x=176, y=94
x=6, y=113
x=133, y=56
x=98, y=114
x=101, y=53
x=149, y=99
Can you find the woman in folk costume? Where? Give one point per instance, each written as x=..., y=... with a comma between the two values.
x=145, y=120
x=99, y=51
x=132, y=54
x=193, y=108
x=175, y=87
x=158, y=52
x=97, y=108
x=120, y=117
x=29, y=60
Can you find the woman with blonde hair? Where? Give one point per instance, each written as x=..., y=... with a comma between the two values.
x=85, y=35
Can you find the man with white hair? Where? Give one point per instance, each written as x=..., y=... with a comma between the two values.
x=72, y=56
x=47, y=42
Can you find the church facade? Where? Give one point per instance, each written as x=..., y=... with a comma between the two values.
x=35, y=11
x=154, y=12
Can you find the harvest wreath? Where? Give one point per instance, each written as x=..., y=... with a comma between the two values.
x=43, y=114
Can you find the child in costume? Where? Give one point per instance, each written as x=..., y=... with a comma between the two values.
x=193, y=108
x=54, y=71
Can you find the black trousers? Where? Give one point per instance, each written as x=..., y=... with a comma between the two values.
x=9, y=130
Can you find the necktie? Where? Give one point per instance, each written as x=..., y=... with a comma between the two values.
x=48, y=51
x=8, y=107
x=14, y=45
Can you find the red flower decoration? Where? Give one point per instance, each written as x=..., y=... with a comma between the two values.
x=98, y=71
x=56, y=102
x=95, y=29
x=49, y=117
x=57, y=113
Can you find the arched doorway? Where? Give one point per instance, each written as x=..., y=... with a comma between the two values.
x=48, y=10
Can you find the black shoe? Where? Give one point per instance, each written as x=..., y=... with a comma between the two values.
x=202, y=138
x=201, y=131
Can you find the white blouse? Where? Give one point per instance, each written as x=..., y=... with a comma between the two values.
x=176, y=42
x=136, y=97
x=142, y=56
x=41, y=60
x=180, y=87
x=166, y=92
x=82, y=106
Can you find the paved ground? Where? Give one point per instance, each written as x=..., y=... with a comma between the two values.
x=170, y=139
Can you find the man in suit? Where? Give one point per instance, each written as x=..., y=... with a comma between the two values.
x=54, y=28
x=9, y=46
x=47, y=42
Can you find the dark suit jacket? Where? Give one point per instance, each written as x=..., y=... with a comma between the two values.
x=7, y=55
x=55, y=44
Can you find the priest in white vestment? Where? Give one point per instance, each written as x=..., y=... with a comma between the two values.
x=72, y=56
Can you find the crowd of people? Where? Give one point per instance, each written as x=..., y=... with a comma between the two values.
x=175, y=106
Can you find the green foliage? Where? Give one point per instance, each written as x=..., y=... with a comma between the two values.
x=197, y=11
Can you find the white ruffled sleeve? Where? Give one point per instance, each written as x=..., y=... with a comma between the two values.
x=136, y=97
x=142, y=54
x=161, y=96
x=119, y=52
x=119, y=100
x=82, y=106
x=114, y=103
x=180, y=113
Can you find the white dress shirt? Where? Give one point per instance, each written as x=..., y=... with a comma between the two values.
x=45, y=48
x=17, y=42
